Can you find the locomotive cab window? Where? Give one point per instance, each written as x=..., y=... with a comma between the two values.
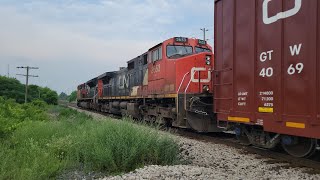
x=156, y=54
x=145, y=59
x=178, y=51
x=131, y=65
x=200, y=49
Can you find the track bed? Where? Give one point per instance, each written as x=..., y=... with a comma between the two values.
x=208, y=151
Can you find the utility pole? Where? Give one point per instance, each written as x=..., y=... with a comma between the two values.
x=8, y=70
x=204, y=33
x=27, y=79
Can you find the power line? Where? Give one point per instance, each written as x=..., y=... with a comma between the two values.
x=27, y=79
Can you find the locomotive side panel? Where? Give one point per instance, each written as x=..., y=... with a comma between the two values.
x=121, y=83
x=156, y=70
x=136, y=74
x=143, y=75
x=133, y=77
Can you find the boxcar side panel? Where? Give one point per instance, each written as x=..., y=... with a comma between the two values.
x=273, y=50
x=268, y=71
x=244, y=58
x=223, y=71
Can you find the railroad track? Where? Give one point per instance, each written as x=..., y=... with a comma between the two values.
x=275, y=156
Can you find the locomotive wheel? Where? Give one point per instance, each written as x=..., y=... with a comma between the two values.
x=299, y=146
x=145, y=119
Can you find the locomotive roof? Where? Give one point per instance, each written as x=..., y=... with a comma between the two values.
x=107, y=74
x=132, y=60
x=92, y=82
x=137, y=57
x=155, y=46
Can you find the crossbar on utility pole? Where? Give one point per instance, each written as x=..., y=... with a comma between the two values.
x=27, y=79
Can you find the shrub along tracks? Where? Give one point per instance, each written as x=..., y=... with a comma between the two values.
x=49, y=142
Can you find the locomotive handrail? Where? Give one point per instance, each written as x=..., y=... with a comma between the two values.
x=182, y=81
x=95, y=96
x=179, y=89
x=185, y=95
x=185, y=91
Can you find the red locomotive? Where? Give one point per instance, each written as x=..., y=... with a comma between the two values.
x=170, y=84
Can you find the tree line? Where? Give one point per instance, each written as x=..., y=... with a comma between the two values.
x=11, y=88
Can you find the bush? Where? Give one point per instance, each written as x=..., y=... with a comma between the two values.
x=73, y=96
x=13, y=115
x=74, y=141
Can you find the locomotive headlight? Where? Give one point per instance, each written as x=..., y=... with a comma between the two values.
x=208, y=60
x=205, y=88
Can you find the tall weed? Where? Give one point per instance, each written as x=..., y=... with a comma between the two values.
x=45, y=147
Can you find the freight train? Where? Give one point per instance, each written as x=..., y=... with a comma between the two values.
x=169, y=84
x=263, y=80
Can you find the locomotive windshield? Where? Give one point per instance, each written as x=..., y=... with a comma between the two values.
x=178, y=51
x=199, y=50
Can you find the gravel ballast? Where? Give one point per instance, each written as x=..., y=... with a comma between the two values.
x=218, y=161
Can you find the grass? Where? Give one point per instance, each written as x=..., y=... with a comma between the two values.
x=73, y=141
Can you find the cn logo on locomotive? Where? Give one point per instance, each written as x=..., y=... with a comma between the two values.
x=280, y=15
x=123, y=81
x=198, y=69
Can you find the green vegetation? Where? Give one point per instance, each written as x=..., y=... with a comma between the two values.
x=73, y=96
x=41, y=142
x=63, y=96
x=49, y=96
x=11, y=88
x=13, y=115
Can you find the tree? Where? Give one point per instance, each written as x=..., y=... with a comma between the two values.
x=11, y=88
x=34, y=92
x=73, y=96
x=63, y=96
x=49, y=96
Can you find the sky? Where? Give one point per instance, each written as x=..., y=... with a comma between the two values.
x=73, y=41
